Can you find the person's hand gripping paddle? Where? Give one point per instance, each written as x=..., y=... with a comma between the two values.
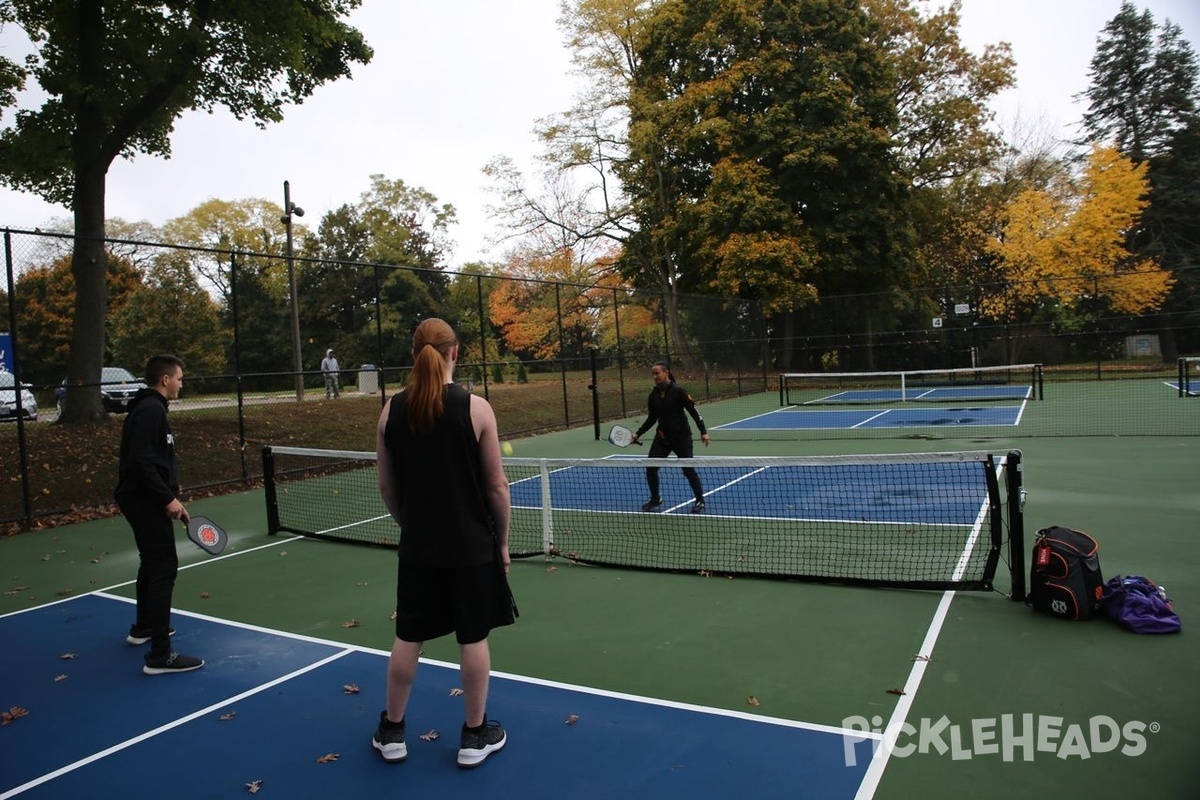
x=210, y=536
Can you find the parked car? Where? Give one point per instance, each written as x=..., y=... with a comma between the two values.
x=8, y=398
x=117, y=388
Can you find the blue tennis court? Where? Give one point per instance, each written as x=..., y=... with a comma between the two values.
x=798, y=418
x=948, y=493
x=275, y=711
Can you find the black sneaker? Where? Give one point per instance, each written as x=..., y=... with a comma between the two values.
x=171, y=662
x=651, y=504
x=696, y=509
x=389, y=739
x=480, y=743
x=142, y=635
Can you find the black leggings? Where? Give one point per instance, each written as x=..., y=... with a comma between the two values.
x=661, y=449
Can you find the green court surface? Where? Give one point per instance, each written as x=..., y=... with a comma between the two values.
x=970, y=665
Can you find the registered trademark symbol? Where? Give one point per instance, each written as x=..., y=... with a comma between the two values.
x=1155, y=727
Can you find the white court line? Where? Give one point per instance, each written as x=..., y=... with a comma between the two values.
x=116, y=748
x=883, y=751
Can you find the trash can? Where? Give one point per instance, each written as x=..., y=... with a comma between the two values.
x=368, y=379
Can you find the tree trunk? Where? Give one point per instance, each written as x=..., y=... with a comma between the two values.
x=90, y=268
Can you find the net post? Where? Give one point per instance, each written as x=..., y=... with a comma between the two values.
x=1039, y=381
x=1016, y=522
x=1179, y=367
x=996, y=523
x=547, y=513
x=268, y=460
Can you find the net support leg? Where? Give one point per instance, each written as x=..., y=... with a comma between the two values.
x=1016, y=523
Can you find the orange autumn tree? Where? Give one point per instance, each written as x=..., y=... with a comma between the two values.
x=1067, y=245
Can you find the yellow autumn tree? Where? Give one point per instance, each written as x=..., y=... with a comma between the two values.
x=1069, y=245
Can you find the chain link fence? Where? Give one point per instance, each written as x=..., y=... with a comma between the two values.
x=547, y=354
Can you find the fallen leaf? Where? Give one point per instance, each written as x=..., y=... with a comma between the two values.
x=896, y=691
x=455, y=692
x=14, y=713
x=571, y=720
x=920, y=657
x=350, y=688
x=59, y=678
x=97, y=559
x=252, y=786
x=431, y=736
x=705, y=573
x=204, y=595
x=65, y=592
x=752, y=700
x=325, y=759
x=551, y=568
x=227, y=716
x=392, y=616
x=351, y=624
x=18, y=590
x=67, y=656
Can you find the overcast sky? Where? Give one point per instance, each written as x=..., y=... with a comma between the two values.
x=455, y=83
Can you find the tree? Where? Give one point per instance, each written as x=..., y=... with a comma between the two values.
x=169, y=312
x=44, y=297
x=783, y=111
x=1143, y=84
x=1069, y=248
x=375, y=269
x=118, y=73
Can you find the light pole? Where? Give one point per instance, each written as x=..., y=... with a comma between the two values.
x=290, y=208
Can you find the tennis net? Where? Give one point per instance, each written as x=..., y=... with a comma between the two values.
x=923, y=521
x=1013, y=383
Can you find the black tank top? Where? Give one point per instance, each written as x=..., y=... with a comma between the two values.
x=445, y=520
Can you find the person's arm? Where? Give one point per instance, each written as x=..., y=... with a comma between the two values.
x=690, y=405
x=389, y=488
x=651, y=418
x=147, y=457
x=495, y=482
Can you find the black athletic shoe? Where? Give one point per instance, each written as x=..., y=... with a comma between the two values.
x=651, y=504
x=389, y=739
x=142, y=635
x=696, y=509
x=171, y=662
x=477, y=745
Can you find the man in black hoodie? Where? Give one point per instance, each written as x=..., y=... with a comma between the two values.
x=148, y=495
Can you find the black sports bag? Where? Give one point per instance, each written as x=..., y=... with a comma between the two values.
x=1064, y=576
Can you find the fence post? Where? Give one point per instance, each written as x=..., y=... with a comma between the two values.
x=237, y=366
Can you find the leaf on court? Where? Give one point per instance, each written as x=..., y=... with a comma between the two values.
x=253, y=786
x=705, y=573
x=204, y=595
x=897, y=691
x=18, y=590
x=571, y=720
x=752, y=700
x=227, y=716
x=392, y=616
x=919, y=657
x=551, y=568
x=97, y=559
x=283, y=553
x=65, y=592
x=431, y=736
x=328, y=757
x=455, y=692
x=59, y=678
x=361, y=583
x=350, y=688
x=351, y=624
x=14, y=713
x=67, y=656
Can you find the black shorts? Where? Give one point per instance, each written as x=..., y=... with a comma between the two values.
x=467, y=601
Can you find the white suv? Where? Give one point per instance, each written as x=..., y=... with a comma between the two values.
x=8, y=398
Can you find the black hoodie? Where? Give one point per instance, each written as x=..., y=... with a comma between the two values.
x=148, y=470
